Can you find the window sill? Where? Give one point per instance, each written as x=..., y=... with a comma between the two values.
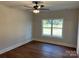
x=46, y=36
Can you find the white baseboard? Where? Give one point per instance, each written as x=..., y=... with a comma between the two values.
x=55, y=42
x=14, y=46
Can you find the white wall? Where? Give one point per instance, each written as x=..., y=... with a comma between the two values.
x=78, y=35
x=69, y=31
x=15, y=26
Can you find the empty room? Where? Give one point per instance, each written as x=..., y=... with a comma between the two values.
x=39, y=29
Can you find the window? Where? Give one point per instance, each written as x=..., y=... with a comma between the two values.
x=46, y=27
x=52, y=28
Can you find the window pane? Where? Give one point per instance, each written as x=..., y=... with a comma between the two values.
x=58, y=23
x=57, y=32
x=46, y=31
x=46, y=23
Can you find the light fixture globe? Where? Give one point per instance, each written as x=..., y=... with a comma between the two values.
x=36, y=11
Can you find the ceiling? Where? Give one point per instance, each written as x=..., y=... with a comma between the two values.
x=51, y=5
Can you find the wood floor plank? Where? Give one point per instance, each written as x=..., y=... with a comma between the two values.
x=36, y=49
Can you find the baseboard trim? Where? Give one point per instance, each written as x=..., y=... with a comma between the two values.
x=58, y=43
x=14, y=46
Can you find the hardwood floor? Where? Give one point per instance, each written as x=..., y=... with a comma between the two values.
x=36, y=49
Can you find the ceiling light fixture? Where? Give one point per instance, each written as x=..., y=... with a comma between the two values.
x=36, y=11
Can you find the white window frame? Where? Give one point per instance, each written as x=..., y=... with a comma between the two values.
x=52, y=29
